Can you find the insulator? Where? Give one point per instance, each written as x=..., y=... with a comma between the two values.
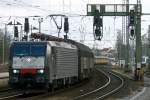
x=65, y=37
x=16, y=31
x=25, y=38
x=99, y=38
x=66, y=25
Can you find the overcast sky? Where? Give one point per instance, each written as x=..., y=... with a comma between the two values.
x=80, y=27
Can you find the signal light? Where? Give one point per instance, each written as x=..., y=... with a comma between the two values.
x=132, y=18
x=97, y=32
x=98, y=21
x=97, y=25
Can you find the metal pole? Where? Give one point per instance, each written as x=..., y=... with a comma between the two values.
x=21, y=33
x=39, y=26
x=127, y=39
x=149, y=48
x=5, y=40
x=4, y=44
x=40, y=21
x=3, y=48
x=31, y=29
x=14, y=32
x=138, y=41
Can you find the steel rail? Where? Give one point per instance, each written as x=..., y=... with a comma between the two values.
x=11, y=96
x=4, y=77
x=114, y=90
x=105, y=85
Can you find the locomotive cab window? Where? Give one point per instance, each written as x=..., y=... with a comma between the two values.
x=21, y=50
x=38, y=50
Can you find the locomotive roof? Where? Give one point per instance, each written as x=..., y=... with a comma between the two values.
x=62, y=44
x=52, y=43
x=29, y=42
x=83, y=49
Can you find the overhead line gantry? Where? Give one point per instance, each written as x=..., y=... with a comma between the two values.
x=134, y=11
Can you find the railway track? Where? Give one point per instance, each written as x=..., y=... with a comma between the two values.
x=57, y=92
x=47, y=94
x=1, y=78
x=9, y=94
x=113, y=84
x=4, y=75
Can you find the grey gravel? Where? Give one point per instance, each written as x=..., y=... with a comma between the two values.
x=142, y=93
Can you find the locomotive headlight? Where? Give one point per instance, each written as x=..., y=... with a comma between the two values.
x=15, y=71
x=41, y=71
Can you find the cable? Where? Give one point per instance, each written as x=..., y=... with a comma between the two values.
x=24, y=4
x=114, y=26
x=82, y=30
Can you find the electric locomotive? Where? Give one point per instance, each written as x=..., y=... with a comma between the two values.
x=48, y=64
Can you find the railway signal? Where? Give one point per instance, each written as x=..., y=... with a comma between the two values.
x=97, y=26
x=134, y=21
x=132, y=17
x=15, y=25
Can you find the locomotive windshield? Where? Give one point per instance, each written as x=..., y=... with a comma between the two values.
x=21, y=50
x=29, y=50
x=28, y=55
x=31, y=62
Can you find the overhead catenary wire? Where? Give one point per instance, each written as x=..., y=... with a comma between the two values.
x=25, y=4
x=21, y=4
